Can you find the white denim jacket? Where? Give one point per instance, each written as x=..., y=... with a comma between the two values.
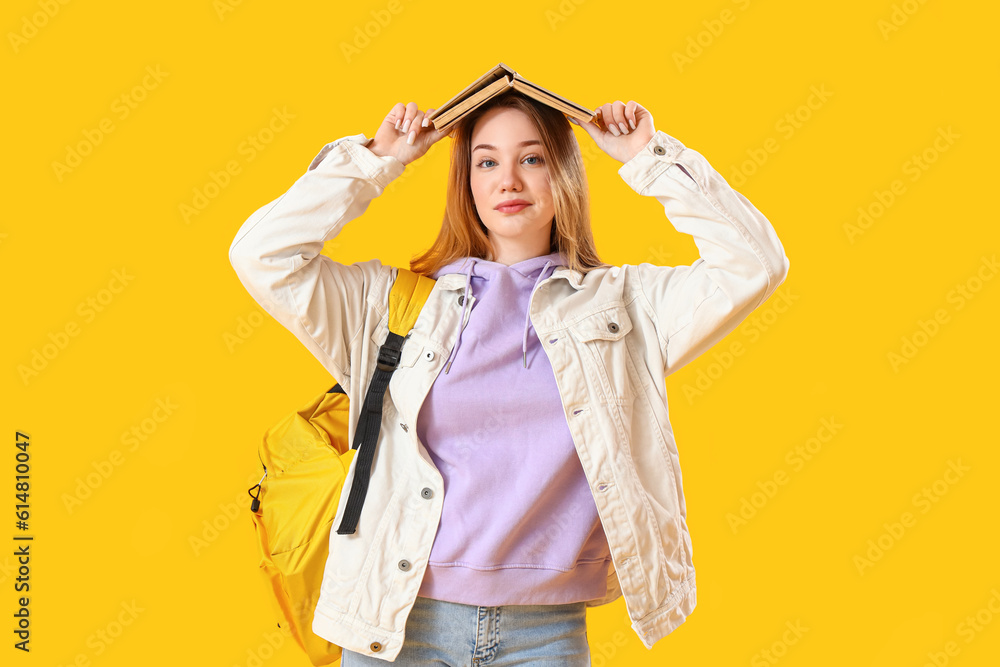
x=611, y=336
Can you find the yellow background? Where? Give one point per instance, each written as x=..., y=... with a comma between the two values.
x=181, y=332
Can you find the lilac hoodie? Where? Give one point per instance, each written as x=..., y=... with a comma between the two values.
x=519, y=524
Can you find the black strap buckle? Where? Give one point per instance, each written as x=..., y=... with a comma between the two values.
x=388, y=358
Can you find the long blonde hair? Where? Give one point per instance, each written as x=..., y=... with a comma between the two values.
x=463, y=233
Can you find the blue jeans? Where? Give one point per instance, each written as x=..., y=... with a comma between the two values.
x=449, y=634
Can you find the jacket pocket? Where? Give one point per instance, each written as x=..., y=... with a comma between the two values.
x=408, y=353
x=411, y=352
x=604, y=344
x=610, y=324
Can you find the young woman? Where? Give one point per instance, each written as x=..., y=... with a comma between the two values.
x=526, y=467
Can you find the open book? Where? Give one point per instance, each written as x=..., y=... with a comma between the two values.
x=491, y=84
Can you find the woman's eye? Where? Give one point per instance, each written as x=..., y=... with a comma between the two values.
x=482, y=163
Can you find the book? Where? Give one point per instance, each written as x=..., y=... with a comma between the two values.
x=497, y=80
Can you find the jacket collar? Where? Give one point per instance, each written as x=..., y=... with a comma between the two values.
x=574, y=278
x=456, y=281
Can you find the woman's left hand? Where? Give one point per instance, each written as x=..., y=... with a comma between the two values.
x=629, y=129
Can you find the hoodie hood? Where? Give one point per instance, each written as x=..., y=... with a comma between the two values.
x=475, y=268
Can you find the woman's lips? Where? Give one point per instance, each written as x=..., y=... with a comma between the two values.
x=512, y=209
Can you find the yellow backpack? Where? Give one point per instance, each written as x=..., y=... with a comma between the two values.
x=304, y=460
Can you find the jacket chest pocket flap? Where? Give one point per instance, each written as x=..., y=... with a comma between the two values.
x=602, y=340
x=411, y=350
x=610, y=324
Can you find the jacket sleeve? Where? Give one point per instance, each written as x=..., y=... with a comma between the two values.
x=741, y=259
x=276, y=253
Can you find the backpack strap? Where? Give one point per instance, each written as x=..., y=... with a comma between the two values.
x=407, y=297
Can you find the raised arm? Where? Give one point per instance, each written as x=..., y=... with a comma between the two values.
x=276, y=252
x=741, y=260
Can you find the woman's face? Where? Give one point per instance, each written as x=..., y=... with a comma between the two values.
x=508, y=163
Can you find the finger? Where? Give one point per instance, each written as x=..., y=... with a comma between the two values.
x=396, y=115
x=411, y=111
x=426, y=122
x=415, y=127
x=618, y=115
x=592, y=127
x=607, y=118
x=441, y=134
x=630, y=113
x=429, y=123
x=642, y=115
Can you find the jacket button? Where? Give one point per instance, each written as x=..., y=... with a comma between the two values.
x=613, y=327
x=659, y=150
x=375, y=646
x=429, y=355
x=405, y=427
x=461, y=300
x=404, y=565
x=426, y=492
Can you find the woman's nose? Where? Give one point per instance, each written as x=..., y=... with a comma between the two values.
x=509, y=179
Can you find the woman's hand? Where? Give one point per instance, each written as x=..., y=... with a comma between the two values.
x=404, y=134
x=629, y=129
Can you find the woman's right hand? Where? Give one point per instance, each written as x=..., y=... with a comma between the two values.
x=404, y=135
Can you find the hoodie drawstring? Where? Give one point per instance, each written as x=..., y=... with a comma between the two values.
x=465, y=306
x=527, y=314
